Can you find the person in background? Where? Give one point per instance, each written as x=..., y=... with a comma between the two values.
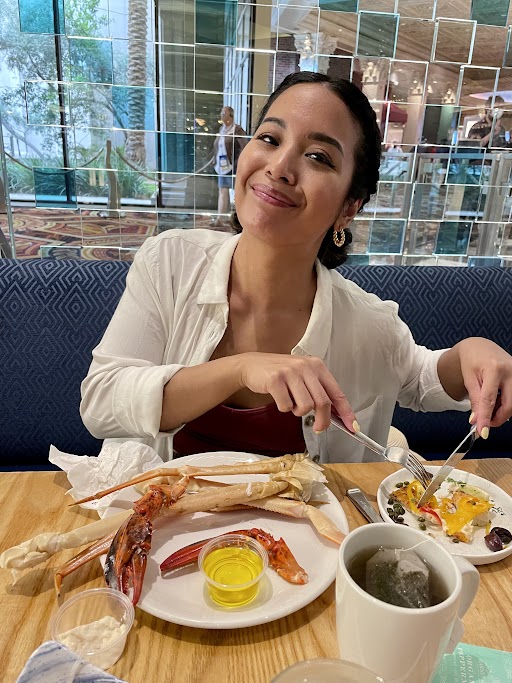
x=247, y=342
x=491, y=124
x=226, y=150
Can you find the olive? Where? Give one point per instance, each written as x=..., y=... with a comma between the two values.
x=421, y=519
x=455, y=540
x=399, y=485
x=389, y=511
x=493, y=542
x=391, y=501
x=423, y=527
x=406, y=483
x=504, y=534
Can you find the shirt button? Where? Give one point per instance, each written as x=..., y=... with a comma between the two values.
x=316, y=458
x=309, y=421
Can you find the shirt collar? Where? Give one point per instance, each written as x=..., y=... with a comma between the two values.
x=316, y=338
x=214, y=289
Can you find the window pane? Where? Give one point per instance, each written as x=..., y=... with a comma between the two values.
x=90, y=60
x=54, y=187
x=43, y=106
x=453, y=41
x=493, y=12
x=177, y=66
x=453, y=238
x=386, y=237
x=177, y=152
x=339, y=5
x=420, y=237
x=377, y=34
x=134, y=108
x=37, y=16
x=216, y=22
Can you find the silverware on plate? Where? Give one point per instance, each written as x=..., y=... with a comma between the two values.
x=449, y=465
x=364, y=506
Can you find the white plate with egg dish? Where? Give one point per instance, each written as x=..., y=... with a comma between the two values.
x=452, y=520
x=180, y=596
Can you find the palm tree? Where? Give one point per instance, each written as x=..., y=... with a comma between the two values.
x=135, y=149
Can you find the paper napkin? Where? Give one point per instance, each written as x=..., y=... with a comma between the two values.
x=117, y=462
x=55, y=663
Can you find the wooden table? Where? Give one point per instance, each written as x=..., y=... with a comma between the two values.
x=33, y=502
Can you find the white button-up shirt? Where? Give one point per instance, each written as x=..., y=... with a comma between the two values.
x=175, y=310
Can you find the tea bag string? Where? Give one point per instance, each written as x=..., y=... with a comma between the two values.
x=406, y=550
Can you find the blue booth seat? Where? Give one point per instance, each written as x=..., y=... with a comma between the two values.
x=443, y=305
x=53, y=313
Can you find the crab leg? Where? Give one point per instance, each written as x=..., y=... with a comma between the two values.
x=280, y=557
x=273, y=466
x=283, y=506
x=214, y=499
x=95, y=550
x=294, y=508
x=39, y=548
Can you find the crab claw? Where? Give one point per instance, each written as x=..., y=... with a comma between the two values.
x=280, y=557
x=126, y=561
x=127, y=556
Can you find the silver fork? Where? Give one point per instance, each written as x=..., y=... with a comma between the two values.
x=395, y=454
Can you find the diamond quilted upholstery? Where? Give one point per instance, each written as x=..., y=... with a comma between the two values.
x=443, y=305
x=52, y=314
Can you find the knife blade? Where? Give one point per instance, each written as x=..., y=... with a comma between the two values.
x=449, y=465
x=363, y=505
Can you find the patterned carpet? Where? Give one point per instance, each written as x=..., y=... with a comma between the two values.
x=92, y=234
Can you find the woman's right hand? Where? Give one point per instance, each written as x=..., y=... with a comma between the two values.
x=299, y=384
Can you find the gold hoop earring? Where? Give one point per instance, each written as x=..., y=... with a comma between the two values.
x=338, y=237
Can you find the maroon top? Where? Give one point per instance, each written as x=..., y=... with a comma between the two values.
x=264, y=431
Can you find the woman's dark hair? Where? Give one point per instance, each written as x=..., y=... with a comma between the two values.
x=367, y=151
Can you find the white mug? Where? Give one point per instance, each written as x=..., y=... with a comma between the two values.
x=400, y=644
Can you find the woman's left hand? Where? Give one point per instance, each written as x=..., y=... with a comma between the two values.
x=486, y=371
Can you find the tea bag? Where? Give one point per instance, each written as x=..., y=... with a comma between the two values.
x=398, y=577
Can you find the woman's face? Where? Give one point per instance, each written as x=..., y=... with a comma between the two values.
x=293, y=176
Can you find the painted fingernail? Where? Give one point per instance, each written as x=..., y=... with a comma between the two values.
x=355, y=426
x=484, y=433
x=471, y=418
x=319, y=431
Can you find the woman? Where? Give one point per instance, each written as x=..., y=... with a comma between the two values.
x=242, y=338
x=226, y=150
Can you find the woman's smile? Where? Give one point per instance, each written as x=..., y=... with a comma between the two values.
x=271, y=196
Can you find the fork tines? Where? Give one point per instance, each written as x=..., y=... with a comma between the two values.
x=416, y=468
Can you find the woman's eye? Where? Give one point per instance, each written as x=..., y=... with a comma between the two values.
x=322, y=158
x=269, y=139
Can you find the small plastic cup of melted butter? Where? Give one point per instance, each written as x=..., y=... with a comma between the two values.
x=95, y=625
x=233, y=566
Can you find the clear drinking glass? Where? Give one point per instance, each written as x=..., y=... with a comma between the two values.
x=326, y=671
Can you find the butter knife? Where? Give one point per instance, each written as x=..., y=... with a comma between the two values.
x=448, y=466
x=363, y=505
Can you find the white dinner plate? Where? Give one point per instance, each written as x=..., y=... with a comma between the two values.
x=180, y=596
x=475, y=552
